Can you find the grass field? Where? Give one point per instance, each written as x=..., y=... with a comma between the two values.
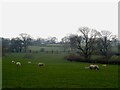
x=50, y=48
x=57, y=73
x=0, y=72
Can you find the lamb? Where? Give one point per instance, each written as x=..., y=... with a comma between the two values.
x=94, y=67
x=13, y=61
x=29, y=61
x=41, y=64
x=18, y=64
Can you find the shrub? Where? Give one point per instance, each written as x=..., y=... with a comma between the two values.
x=97, y=59
x=73, y=57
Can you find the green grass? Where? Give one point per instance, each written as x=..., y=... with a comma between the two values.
x=0, y=73
x=57, y=73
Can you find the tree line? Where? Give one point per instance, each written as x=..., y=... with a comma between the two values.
x=21, y=43
x=91, y=41
x=87, y=42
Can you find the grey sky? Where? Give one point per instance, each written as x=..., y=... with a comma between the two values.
x=44, y=19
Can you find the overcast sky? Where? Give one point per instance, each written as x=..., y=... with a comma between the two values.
x=44, y=19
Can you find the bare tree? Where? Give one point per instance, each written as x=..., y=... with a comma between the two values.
x=16, y=45
x=39, y=41
x=73, y=42
x=65, y=43
x=119, y=48
x=86, y=41
x=25, y=40
x=51, y=40
x=5, y=45
x=105, y=43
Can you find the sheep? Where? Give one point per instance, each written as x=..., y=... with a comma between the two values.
x=104, y=65
x=18, y=64
x=41, y=64
x=94, y=67
x=13, y=61
x=29, y=61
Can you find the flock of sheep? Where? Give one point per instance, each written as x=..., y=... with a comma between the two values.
x=92, y=66
x=18, y=64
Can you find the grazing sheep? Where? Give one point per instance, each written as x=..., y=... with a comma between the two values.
x=94, y=67
x=104, y=65
x=13, y=61
x=18, y=64
x=41, y=64
x=29, y=61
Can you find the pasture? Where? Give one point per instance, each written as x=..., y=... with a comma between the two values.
x=57, y=73
x=47, y=48
x=0, y=73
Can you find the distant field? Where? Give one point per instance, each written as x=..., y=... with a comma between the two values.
x=57, y=73
x=115, y=49
x=57, y=47
x=50, y=48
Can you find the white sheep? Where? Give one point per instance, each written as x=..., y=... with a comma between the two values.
x=41, y=64
x=18, y=64
x=29, y=61
x=94, y=67
x=104, y=65
x=13, y=61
